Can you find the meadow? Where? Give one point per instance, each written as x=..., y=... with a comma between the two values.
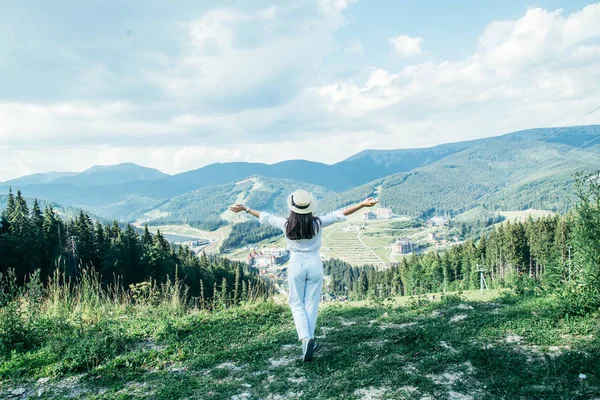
x=88, y=343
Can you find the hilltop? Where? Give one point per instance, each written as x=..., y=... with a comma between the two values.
x=455, y=349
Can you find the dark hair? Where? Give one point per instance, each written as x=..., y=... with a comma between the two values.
x=301, y=226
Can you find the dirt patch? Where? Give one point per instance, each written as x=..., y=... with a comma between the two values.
x=410, y=368
x=297, y=381
x=459, y=396
x=150, y=344
x=398, y=326
x=446, y=346
x=68, y=387
x=136, y=388
x=458, y=318
x=535, y=352
x=376, y=343
x=324, y=331
x=345, y=322
x=370, y=393
x=447, y=378
x=288, y=395
x=176, y=368
x=409, y=389
x=464, y=307
x=513, y=339
x=281, y=362
x=450, y=377
x=230, y=366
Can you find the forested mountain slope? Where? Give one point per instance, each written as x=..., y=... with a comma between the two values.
x=513, y=172
x=203, y=208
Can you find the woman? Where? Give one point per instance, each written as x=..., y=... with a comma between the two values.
x=305, y=273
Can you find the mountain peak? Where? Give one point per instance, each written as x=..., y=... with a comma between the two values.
x=113, y=174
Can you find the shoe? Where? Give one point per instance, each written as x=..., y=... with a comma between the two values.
x=308, y=347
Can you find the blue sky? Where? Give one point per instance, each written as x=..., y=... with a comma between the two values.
x=182, y=84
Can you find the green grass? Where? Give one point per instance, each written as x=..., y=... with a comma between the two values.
x=506, y=349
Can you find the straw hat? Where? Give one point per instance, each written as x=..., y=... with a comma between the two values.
x=301, y=202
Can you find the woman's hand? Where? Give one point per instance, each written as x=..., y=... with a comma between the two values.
x=370, y=202
x=238, y=207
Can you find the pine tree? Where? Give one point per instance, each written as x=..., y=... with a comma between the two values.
x=236, y=289
x=215, y=296
x=147, y=237
x=363, y=284
x=7, y=212
x=131, y=257
x=201, y=294
x=22, y=232
x=82, y=230
x=223, y=296
x=36, y=216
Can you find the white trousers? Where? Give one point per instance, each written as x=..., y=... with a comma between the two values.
x=305, y=281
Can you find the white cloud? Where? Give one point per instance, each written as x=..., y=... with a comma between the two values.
x=334, y=6
x=541, y=58
x=234, y=59
x=540, y=37
x=74, y=123
x=406, y=46
x=260, y=85
x=380, y=77
x=268, y=13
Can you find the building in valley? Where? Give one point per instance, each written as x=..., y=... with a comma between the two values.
x=368, y=215
x=380, y=213
x=437, y=221
x=404, y=246
x=268, y=257
x=384, y=213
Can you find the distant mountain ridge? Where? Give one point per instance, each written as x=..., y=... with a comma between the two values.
x=39, y=178
x=112, y=174
x=94, y=176
x=410, y=180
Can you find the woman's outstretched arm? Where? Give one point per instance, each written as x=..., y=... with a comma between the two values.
x=240, y=207
x=263, y=216
x=340, y=215
x=370, y=202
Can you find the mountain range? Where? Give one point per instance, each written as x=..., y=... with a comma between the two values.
x=525, y=169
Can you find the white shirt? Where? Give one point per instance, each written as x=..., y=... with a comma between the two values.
x=303, y=245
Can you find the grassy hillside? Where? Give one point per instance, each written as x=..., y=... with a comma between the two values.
x=509, y=348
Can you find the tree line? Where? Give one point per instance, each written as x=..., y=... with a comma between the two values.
x=559, y=252
x=248, y=232
x=537, y=248
x=32, y=239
